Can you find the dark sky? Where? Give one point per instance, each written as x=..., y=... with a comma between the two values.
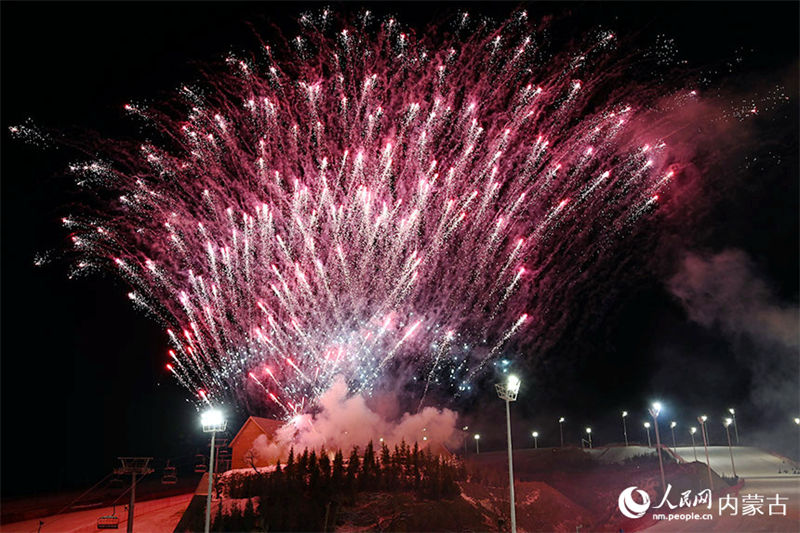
x=82, y=372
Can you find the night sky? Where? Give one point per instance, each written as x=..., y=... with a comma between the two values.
x=83, y=377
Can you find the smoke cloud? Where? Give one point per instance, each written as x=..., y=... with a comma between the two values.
x=344, y=421
x=724, y=291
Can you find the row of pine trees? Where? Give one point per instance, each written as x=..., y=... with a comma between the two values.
x=308, y=492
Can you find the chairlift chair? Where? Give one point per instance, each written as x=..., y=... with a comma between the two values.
x=170, y=475
x=200, y=466
x=109, y=521
x=115, y=483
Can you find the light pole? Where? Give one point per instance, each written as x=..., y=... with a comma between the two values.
x=647, y=427
x=692, y=431
x=702, y=419
x=735, y=425
x=464, y=429
x=477, y=444
x=672, y=428
x=727, y=423
x=535, y=439
x=508, y=392
x=212, y=420
x=561, y=430
x=589, y=433
x=654, y=410
x=624, y=426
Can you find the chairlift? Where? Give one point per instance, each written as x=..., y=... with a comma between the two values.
x=109, y=521
x=200, y=466
x=170, y=475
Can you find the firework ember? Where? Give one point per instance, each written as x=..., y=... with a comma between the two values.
x=359, y=200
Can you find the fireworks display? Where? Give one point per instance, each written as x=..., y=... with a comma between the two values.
x=361, y=201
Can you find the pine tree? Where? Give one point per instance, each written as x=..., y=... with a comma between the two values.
x=324, y=467
x=386, y=457
x=415, y=457
x=368, y=468
x=353, y=464
x=385, y=473
x=337, y=474
x=314, y=475
x=290, y=464
x=352, y=473
x=302, y=466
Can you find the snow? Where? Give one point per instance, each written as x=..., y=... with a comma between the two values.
x=152, y=516
x=619, y=454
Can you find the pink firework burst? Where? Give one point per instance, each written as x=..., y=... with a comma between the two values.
x=366, y=199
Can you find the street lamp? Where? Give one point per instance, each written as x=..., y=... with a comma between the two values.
x=727, y=422
x=589, y=433
x=624, y=427
x=692, y=431
x=212, y=421
x=508, y=392
x=561, y=429
x=797, y=421
x=702, y=419
x=672, y=428
x=535, y=439
x=464, y=429
x=654, y=410
x=735, y=425
x=647, y=427
x=477, y=444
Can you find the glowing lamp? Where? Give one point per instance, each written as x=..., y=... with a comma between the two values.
x=213, y=420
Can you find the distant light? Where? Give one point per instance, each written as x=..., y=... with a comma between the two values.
x=513, y=384
x=647, y=425
x=561, y=420
x=657, y=407
x=703, y=418
x=673, y=424
x=728, y=421
x=624, y=414
x=477, y=437
x=588, y=430
x=535, y=434
x=693, y=430
x=731, y=411
x=797, y=421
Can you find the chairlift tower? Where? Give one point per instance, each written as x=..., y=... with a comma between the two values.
x=133, y=466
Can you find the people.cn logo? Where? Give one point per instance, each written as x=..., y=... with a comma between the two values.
x=630, y=507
